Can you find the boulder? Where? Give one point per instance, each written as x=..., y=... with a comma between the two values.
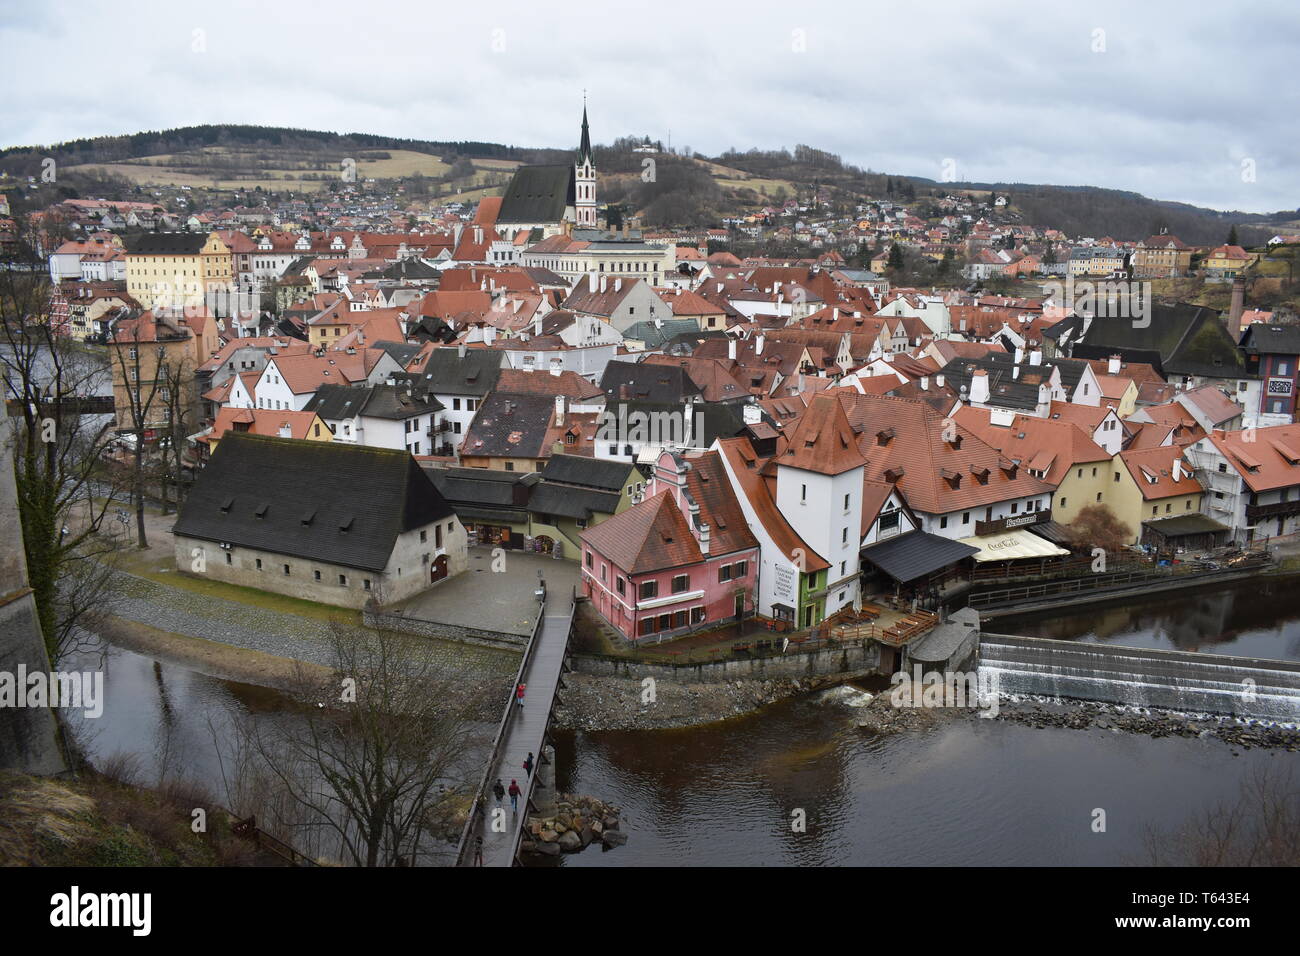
x=548, y=849
x=548, y=836
x=585, y=835
x=597, y=827
x=613, y=838
x=570, y=841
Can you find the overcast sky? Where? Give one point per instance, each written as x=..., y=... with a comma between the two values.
x=1168, y=99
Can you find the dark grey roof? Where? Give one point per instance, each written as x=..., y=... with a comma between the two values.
x=538, y=194
x=571, y=502
x=1180, y=525
x=1177, y=339
x=506, y=496
x=412, y=268
x=168, y=243
x=334, y=402
x=709, y=421
x=448, y=373
x=588, y=472
x=509, y=425
x=402, y=352
x=1260, y=339
x=647, y=382
x=296, y=498
x=916, y=554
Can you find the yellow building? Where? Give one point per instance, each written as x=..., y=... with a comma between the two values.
x=1097, y=261
x=166, y=269
x=216, y=267
x=1150, y=484
x=306, y=426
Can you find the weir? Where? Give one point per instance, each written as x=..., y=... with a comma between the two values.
x=1142, y=677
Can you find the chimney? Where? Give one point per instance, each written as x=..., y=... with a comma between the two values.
x=758, y=343
x=1113, y=364
x=1238, y=303
x=731, y=349
x=1020, y=355
x=559, y=411
x=285, y=430
x=489, y=334
x=478, y=235
x=1036, y=357
x=624, y=228
x=979, y=387
x=618, y=285
x=704, y=538
x=602, y=283
x=925, y=383
x=461, y=350
x=938, y=380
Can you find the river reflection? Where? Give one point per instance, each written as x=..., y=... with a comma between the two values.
x=968, y=792
x=1255, y=618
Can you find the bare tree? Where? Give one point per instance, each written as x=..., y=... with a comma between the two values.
x=379, y=757
x=1261, y=827
x=62, y=486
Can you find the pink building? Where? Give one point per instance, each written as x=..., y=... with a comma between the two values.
x=682, y=559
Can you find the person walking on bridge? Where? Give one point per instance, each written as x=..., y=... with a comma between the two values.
x=499, y=791
x=478, y=850
x=519, y=694
x=514, y=795
x=528, y=764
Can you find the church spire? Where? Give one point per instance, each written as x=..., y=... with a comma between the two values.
x=584, y=148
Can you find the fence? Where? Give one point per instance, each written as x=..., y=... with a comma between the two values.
x=1111, y=582
x=249, y=830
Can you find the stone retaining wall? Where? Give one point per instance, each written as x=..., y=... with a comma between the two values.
x=842, y=659
x=447, y=632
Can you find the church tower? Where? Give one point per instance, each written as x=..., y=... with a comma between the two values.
x=585, y=179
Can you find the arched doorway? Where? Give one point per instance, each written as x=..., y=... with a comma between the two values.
x=438, y=569
x=544, y=543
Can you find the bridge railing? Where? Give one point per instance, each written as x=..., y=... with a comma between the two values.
x=546, y=732
x=476, y=808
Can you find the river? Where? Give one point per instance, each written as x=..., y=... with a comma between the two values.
x=965, y=791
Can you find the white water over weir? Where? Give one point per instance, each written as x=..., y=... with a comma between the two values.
x=1142, y=677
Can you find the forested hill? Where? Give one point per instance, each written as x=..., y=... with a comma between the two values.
x=702, y=188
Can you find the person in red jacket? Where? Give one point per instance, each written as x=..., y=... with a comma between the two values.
x=519, y=694
x=514, y=792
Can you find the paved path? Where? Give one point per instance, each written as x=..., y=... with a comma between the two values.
x=182, y=611
x=525, y=732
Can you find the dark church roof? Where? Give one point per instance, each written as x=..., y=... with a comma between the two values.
x=538, y=194
x=326, y=501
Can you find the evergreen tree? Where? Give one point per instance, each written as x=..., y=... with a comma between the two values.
x=896, y=258
x=1232, y=237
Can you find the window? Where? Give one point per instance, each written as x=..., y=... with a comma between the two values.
x=943, y=522
x=620, y=586
x=259, y=564
x=1015, y=506
x=365, y=583
x=228, y=560
x=343, y=580
x=604, y=572
x=803, y=494
x=286, y=570
x=724, y=573
x=740, y=569
x=1099, y=497
x=697, y=615
x=649, y=590
x=588, y=559
x=1062, y=502
x=846, y=502
x=680, y=583
x=437, y=536
x=965, y=517
x=1117, y=476
x=316, y=575
x=424, y=536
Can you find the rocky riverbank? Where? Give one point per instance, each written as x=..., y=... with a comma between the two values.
x=1088, y=715
x=576, y=823
x=620, y=703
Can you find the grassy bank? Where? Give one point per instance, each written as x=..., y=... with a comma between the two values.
x=100, y=821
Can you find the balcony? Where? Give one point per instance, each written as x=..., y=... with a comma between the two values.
x=1276, y=510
